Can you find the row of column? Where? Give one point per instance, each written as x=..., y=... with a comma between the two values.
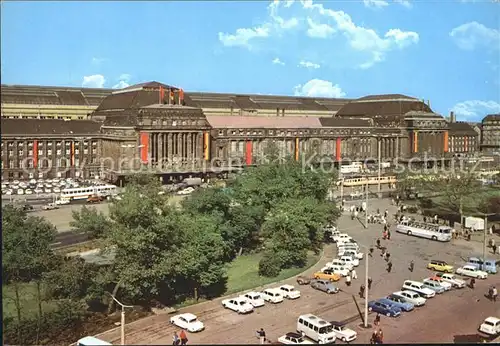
x=389, y=147
x=175, y=145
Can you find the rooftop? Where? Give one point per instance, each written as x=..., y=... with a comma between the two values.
x=48, y=127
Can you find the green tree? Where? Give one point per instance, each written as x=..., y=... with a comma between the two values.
x=26, y=252
x=90, y=221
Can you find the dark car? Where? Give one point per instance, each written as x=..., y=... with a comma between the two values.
x=303, y=280
x=384, y=309
x=27, y=207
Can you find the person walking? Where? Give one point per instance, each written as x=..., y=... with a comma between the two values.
x=389, y=267
x=175, y=339
x=380, y=336
x=378, y=243
x=369, y=283
x=494, y=248
x=354, y=275
x=388, y=234
x=183, y=337
x=376, y=321
x=472, y=283
x=348, y=280
x=411, y=266
x=362, y=290
x=262, y=335
x=494, y=294
x=374, y=338
x=371, y=252
x=387, y=255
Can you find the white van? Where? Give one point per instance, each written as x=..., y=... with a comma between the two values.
x=91, y=341
x=316, y=329
x=272, y=295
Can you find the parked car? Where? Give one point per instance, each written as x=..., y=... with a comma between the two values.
x=452, y=279
x=433, y=285
x=254, y=298
x=410, y=297
x=384, y=308
x=337, y=262
x=327, y=274
x=440, y=266
x=239, y=305
x=94, y=199
x=303, y=280
x=188, y=321
x=490, y=326
x=350, y=252
x=342, y=332
x=419, y=288
x=325, y=286
x=50, y=206
x=471, y=271
x=63, y=201
x=398, y=302
x=272, y=295
x=436, y=279
x=342, y=237
x=347, y=260
x=489, y=266
x=293, y=339
x=339, y=270
x=288, y=291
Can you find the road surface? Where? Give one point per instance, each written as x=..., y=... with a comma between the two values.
x=68, y=238
x=445, y=317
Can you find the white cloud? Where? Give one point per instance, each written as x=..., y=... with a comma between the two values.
x=471, y=35
x=476, y=109
x=318, y=30
x=277, y=61
x=405, y=3
x=93, y=81
x=123, y=81
x=308, y=64
x=364, y=39
x=98, y=61
x=243, y=36
x=319, y=88
x=375, y=3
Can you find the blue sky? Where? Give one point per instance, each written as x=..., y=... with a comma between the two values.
x=447, y=52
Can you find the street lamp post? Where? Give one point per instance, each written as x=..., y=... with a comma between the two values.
x=379, y=153
x=365, y=322
x=122, y=323
x=366, y=202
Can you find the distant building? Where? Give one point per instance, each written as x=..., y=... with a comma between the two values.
x=490, y=138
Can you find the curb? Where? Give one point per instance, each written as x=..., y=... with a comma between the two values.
x=321, y=258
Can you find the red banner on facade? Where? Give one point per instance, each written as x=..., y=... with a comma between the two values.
x=35, y=153
x=248, y=153
x=338, y=149
x=144, y=140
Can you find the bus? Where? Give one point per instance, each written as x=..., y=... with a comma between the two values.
x=88, y=191
x=355, y=167
x=425, y=230
x=363, y=181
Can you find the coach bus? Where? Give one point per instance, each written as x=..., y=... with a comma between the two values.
x=88, y=191
x=363, y=181
x=425, y=230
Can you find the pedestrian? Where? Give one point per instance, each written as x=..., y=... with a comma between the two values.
x=490, y=293
x=385, y=228
x=362, y=290
x=371, y=252
x=495, y=294
x=374, y=338
x=472, y=283
x=387, y=255
x=389, y=267
x=494, y=248
x=382, y=253
x=388, y=235
x=354, y=275
x=356, y=214
x=376, y=321
x=183, y=337
x=378, y=243
x=411, y=266
x=386, y=213
x=175, y=339
x=425, y=219
x=262, y=335
x=348, y=280
x=370, y=283
x=380, y=336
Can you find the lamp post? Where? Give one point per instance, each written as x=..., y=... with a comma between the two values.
x=366, y=206
x=379, y=153
x=122, y=323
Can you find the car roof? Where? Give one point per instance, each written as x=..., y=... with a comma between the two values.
x=440, y=261
x=287, y=286
x=293, y=335
x=492, y=319
x=337, y=323
x=188, y=316
x=253, y=293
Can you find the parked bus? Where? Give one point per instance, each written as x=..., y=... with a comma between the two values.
x=355, y=167
x=89, y=191
x=425, y=230
x=363, y=181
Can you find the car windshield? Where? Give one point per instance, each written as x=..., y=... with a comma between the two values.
x=254, y=297
x=326, y=329
x=191, y=320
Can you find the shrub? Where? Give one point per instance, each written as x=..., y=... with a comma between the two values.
x=270, y=265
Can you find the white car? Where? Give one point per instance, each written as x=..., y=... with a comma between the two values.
x=419, y=288
x=350, y=252
x=342, y=332
x=490, y=326
x=239, y=305
x=254, y=298
x=451, y=279
x=187, y=321
x=411, y=297
x=349, y=260
x=20, y=192
x=8, y=192
x=293, y=339
x=338, y=262
x=288, y=291
x=47, y=190
x=472, y=271
x=272, y=295
x=56, y=189
x=28, y=192
x=63, y=201
x=32, y=181
x=342, y=237
x=339, y=270
x=38, y=191
x=439, y=281
x=186, y=191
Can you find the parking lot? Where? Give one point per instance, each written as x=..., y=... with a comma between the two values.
x=444, y=318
